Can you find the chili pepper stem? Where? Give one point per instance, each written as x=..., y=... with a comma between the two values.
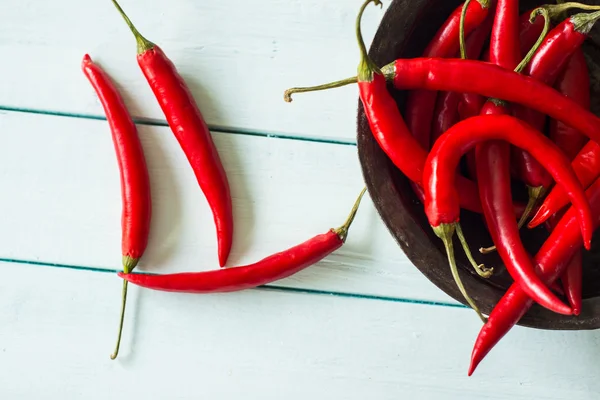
x=123, y=304
x=387, y=70
x=366, y=66
x=534, y=14
x=481, y=269
x=342, y=231
x=583, y=23
x=461, y=30
x=557, y=10
x=143, y=44
x=445, y=232
x=129, y=263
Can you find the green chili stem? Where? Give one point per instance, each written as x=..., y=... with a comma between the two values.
x=342, y=231
x=461, y=30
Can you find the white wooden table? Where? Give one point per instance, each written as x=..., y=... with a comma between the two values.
x=362, y=324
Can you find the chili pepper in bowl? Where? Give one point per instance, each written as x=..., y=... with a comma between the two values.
x=441, y=205
x=573, y=82
x=493, y=164
x=191, y=131
x=551, y=260
x=135, y=183
x=421, y=103
x=545, y=66
x=275, y=267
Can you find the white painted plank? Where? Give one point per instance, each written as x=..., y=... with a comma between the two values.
x=57, y=329
x=62, y=205
x=238, y=56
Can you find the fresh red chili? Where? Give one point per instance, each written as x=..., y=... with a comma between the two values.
x=550, y=260
x=445, y=114
x=482, y=78
x=191, y=131
x=545, y=66
x=421, y=103
x=270, y=269
x=573, y=82
x=447, y=104
x=441, y=205
x=135, y=184
x=493, y=169
x=390, y=130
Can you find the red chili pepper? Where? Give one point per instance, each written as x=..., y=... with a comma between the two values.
x=447, y=104
x=545, y=66
x=571, y=280
x=493, y=168
x=421, y=103
x=135, y=184
x=191, y=131
x=551, y=260
x=573, y=82
x=275, y=267
x=446, y=113
x=441, y=205
x=505, y=49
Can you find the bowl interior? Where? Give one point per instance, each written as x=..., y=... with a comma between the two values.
x=404, y=32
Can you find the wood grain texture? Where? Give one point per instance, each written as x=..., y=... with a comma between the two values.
x=238, y=57
x=64, y=205
x=57, y=328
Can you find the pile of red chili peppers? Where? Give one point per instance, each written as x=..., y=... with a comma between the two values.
x=192, y=133
x=510, y=93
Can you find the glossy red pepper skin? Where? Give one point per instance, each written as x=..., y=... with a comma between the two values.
x=551, y=260
x=491, y=81
x=571, y=280
x=445, y=115
x=493, y=169
x=505, y=49
x=135, y=183
x=195, y=139
x=273, y=268
x=573, y=82
x=545, y=66
x=529, y=32
x=392, y=135
x=190, y=130
x=445, y=43
x=587, y=168
x=441, y=198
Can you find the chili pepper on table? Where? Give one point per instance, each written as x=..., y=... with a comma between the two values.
x=191, y=131
x=270, y=269
x=573, y=82
x=421, y=103
x=545, y=66
x=441, y=205
x=135, y=183
x=551, y=260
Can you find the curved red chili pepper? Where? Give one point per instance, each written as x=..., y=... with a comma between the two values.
x=420, y=103
x=441, y=200
x=270, y=269
x=505, y=50
x=135, y=184
x=491, y=81
x=573, y=82
x=493, y=169
x=550, y=260
x=191, y=131
x=545, y=66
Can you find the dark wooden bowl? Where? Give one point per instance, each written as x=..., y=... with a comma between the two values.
x=405, y=30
